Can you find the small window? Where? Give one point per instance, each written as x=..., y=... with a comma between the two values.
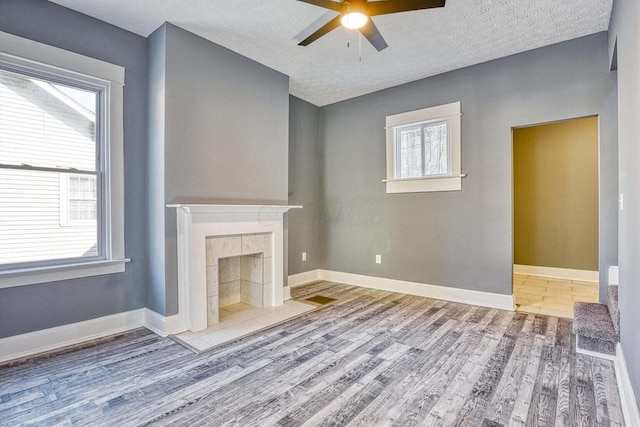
x=78, y=201
x=82, y=198
x=423, y=150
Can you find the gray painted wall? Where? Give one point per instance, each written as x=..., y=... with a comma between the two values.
x=28, y=308
x=226, y=123
x=458, y=239
x=608, y=220
x=304, y=186
x=624, y=29
x=156, y=293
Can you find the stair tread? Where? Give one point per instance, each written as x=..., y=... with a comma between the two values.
x=594, y=321
x=596, y=345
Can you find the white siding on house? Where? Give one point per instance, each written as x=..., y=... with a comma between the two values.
x=41, y=126
x=40, y=129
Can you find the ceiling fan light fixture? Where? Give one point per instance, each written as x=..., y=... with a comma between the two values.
x=356, y=14
x=354, y=20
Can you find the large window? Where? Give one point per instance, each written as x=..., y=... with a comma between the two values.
x=423, y=150
x=61, y=210
x=48, y=170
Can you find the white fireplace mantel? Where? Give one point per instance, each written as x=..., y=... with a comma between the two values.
x=196, y=222
x=233, y=209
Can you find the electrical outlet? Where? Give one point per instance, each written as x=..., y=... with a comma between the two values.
x=304, y=256
x=378, y=259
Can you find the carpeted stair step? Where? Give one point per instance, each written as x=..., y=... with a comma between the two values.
x=593, y=325
x=596, y=345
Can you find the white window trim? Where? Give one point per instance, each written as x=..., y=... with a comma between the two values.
x=450, y=182
x=27, y=54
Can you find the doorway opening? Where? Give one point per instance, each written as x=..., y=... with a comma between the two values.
x=556, y=215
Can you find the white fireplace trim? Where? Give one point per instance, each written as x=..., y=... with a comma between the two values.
x=196, y=222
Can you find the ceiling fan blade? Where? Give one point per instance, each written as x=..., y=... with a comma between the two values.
x=329, y=26
x=322, y=19
x=375, y=8
x=370, y=31
x=327, y=4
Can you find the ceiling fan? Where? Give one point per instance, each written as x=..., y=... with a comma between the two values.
x=356, y=14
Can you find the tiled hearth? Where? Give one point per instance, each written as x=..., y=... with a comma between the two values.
x=239, y=320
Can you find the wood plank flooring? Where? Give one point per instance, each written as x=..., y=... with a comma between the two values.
x=372, y=358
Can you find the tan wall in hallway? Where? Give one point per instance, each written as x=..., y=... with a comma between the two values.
x=556, y=194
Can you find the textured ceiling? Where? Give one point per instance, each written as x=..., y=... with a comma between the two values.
x=421, y=43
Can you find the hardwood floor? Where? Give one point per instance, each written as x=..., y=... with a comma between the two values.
x=371, y=358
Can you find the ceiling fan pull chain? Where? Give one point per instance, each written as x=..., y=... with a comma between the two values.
x=360, y=46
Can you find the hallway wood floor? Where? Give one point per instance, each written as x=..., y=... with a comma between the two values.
x=371, y=358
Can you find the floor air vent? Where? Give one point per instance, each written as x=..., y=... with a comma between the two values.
x=320, y=300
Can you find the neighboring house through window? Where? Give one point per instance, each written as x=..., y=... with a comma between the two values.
x=78, y=200
x=423, y=150
x=81, y=199
x=61, y=170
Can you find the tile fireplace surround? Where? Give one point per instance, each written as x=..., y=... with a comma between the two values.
x=208, y=233
x=239, y=270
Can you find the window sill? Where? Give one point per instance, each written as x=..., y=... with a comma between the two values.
x=54, y=273
x=425, y=184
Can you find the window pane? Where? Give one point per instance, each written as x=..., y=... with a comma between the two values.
x=82, y=198
x=409, y=152
x=46, y=124
x=436, y=150
x=32, y=213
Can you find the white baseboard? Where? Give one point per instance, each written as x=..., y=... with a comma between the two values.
x=303, y=278
x=33, y=343
x=161, y=325
x=484, y=299
x=613, y=275
x=627, y=396
x=24, y=345
x=287, y=293
x=557, y=273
